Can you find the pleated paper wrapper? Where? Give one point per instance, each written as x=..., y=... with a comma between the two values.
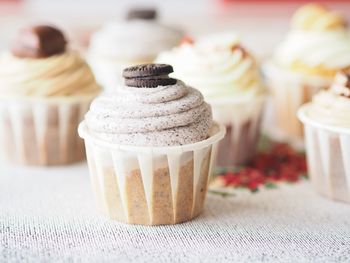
x=289, y=92
x=151, y=185
x=42, y=132
x=328, y=157
x=243, y=125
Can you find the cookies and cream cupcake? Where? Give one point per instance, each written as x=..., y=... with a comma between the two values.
x=150, y=147
x=136, y=40
x=228, y=76
x=317, y=46
x=327, y=131
x=45, y=91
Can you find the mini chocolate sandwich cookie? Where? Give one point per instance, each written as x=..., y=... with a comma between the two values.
x=38, y=42
x=148, y=76
x=147, y=70
x=142, y=13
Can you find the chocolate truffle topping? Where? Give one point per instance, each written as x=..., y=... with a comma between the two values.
x=38, y=42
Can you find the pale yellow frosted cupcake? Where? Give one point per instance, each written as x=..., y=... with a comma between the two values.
x=45, y=90
x=317, y=46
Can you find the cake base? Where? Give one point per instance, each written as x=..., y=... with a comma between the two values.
x=130, y=205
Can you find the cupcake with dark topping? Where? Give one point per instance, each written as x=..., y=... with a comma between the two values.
x=46, y=89
x=135, y=40
x=153, y=140
x=327, y=131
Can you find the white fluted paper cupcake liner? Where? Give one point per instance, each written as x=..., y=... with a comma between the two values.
x=242, y=121
x=42, y=131
x=328, y=157
x=151, y=185
x=289, y=92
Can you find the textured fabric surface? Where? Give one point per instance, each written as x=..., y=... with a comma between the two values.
x=49, y=215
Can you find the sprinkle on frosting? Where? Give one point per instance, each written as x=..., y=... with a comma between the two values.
x=245, y=53
x=162, y=116
x=332, y=106
x=341, y=85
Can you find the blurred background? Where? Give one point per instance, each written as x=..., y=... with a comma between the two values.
x=261, y=24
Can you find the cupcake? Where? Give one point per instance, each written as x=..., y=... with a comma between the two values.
x=327, y=133
x=228, y=76
x=45, y=90
x=150, y=148
x=317, y=46
x=136, y=40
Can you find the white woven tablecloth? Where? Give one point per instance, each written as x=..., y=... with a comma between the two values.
x=49, y=215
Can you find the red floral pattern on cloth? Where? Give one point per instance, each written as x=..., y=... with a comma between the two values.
x=280, y=163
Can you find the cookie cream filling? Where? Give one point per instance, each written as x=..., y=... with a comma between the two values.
x=162, y=116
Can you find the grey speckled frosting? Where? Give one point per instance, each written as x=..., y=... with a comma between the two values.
x=162, y=116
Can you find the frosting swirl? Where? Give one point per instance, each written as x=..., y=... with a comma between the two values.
x=317, y=17
x=135, y=40
x=162, y=116
x=219, y=66
x=318, y=43
x=66, y=74
x=332, y=107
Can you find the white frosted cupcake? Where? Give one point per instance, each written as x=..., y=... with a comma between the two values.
x=317, y=46
x=45, y=90
x=151, y=145
x=229, y=79
x=136, y=40
x=327, y=132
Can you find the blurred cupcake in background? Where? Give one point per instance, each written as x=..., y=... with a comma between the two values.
x=327, y=133
x=228, y=77
x=151, y=146
x=136, y=40
x=317, y=46
x=45, y=90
